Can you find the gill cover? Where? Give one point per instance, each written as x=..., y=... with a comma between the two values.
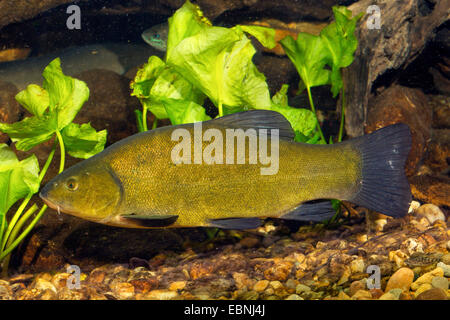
x=88, y=190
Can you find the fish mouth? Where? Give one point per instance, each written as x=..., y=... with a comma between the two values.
x=50, y=204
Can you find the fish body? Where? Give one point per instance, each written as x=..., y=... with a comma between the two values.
x=137, y=183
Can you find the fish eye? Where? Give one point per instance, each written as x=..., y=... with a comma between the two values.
x=72, y=184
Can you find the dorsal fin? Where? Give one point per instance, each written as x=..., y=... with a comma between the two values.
x=257, y=119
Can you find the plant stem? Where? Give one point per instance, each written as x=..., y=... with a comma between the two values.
x=26, y=200
x=341, y=126
x=220, y=109
x=155, y=123
x=23, y=234
x=144, y=118
x=313, y=109
x=63, y=152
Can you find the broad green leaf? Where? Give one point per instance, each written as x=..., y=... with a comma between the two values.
x=67, y=95
x=181, y=111
x=83, y=141
x=156, y=80
x=31, y=131
x=341, y=42
x=309, y=55
x=186, y=22
x=54, y=107
x=35, y=99
x=266, y=36
x=17, y=178
x=280, y=97
x=301, y=120
x=219, y=62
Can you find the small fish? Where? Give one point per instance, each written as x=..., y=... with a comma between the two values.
x=420, y=259
x=156, y=36
x=136, y=182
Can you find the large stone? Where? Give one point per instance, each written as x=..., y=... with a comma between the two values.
x=401, y=279
x=431, y=189
x=433, y=294
x=110, y=105
x=400, y=104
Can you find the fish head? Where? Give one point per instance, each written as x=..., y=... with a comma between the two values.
x=87, y=190
x=157, y=36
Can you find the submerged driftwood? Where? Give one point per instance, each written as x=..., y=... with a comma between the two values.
x=405, y=28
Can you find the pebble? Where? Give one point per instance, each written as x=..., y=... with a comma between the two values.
x=261, y=285
x=357, y=266
x=161, y=295
x=445, y=267
x=123, y=290
x=446, y=259
x=448, y=245
x=177, y=285
x=440, y=282
x=401, y=279
x=300, y=288
x=427, y=277
x=343, y=296
x=388, y=296
x=413, y=206
x=433, y=294
x=42, y=285
x=432, y=212
x=294, y=297
x=356, y=286
x=362, y=295
x=423, y=287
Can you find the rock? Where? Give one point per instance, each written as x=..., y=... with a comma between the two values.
x=355, y=286
x=362, y=295
x=441, y=111
x=43, y=284
x=357, y=266
x=294, y=297
x=413, y=206
x=14, y=54
x=161, y=295
x=279, y=271
x=448, y=245
x=431, y=212
x=6, y=292
x=437, y=157
x=431, y=189
x=427, y=277
x=301, y=288
x=242, y=280
x=401, y=279
x=261, y=285
x=9, y=108
x=123, y=290
x=433, y=294
x=422, y=288
x=440, y=282
x=343, y=296
x=110, y=105
x=444, y=267
x=410, y=106
x=445, y=259
x=388, y=296
x=177, y=285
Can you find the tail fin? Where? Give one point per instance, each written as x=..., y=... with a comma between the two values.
x=384, y=187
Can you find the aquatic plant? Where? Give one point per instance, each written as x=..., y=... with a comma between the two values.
x=202, y=61
x=53, y=107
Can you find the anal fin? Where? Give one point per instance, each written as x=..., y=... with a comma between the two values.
x=314, y=211
x=236, y=223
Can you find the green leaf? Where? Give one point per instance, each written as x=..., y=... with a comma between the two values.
x=156, y=80
x=83, y=141
x=341, y=42
x=186, y=22
x=266, y=36
x=67, y=95
x=309, y=56
x=35, y=99
x=219, y=62
x=31, y=131
x=281, y=97
x=54, y=107
x=181, y=111
x=302, y=120
x=17, y=178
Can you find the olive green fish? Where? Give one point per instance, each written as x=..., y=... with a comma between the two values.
x=136, y=182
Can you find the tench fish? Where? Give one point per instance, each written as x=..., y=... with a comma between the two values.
x=149, y=180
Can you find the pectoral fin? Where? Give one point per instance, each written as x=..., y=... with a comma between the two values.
x=151, y=221
x=315, y=211
x=236, y=223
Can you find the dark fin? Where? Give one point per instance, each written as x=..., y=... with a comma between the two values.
x=384, y=187
x=315, y=211
x=258, y=119
x=236, y=223
x=151, y=221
